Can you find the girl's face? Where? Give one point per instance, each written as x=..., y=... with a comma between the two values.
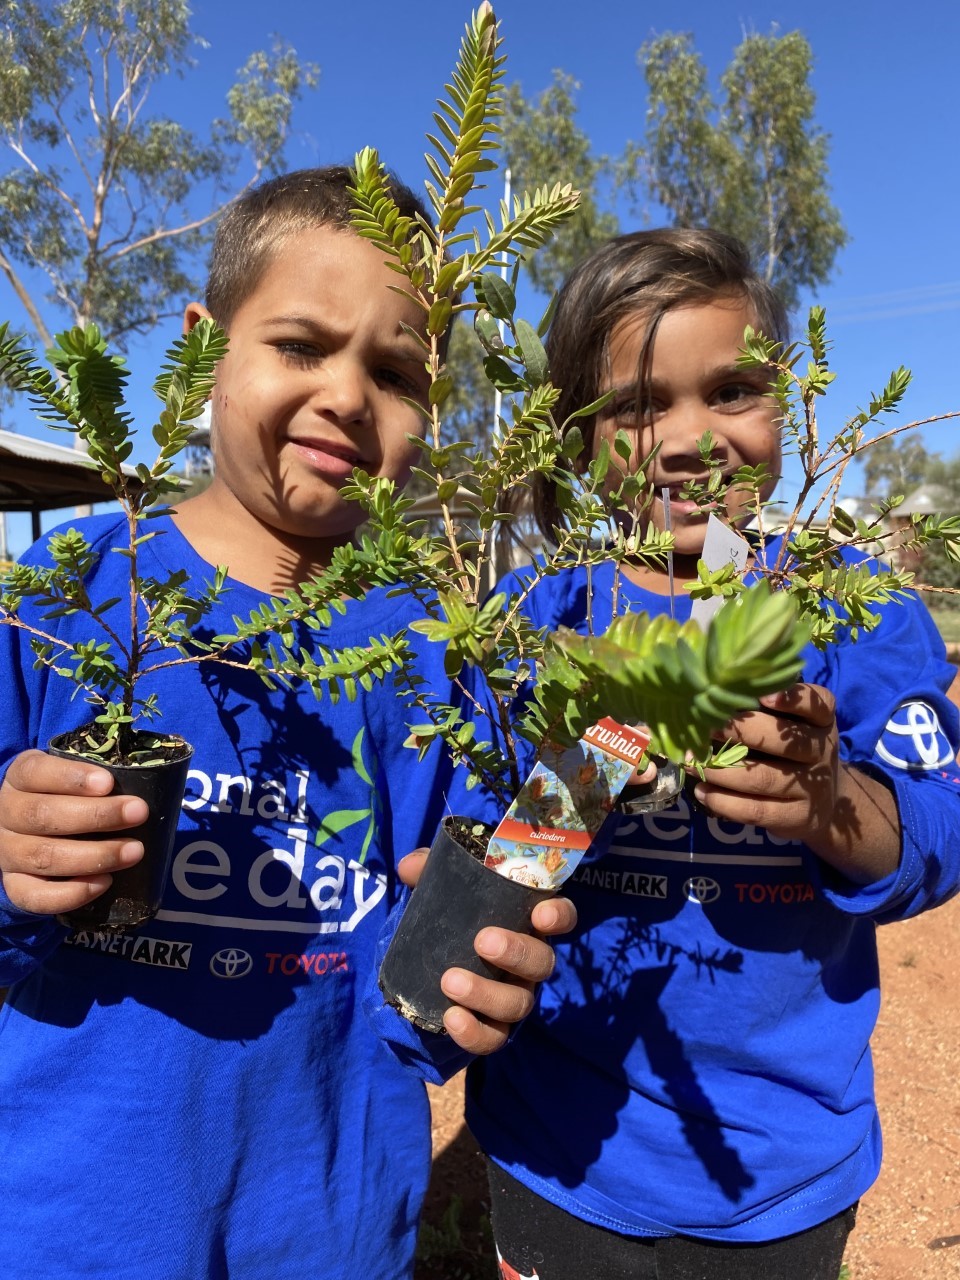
x=694, y=387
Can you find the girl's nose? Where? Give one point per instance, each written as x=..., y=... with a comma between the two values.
x=681, y=429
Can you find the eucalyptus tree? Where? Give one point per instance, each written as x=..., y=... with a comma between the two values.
x=895, y=466
x=105, y=201
x=542, y=144
x=753, y=164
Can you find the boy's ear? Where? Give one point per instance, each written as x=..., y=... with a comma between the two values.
x=194, y=311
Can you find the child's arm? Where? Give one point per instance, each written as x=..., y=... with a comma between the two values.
x=795, y=785
x=45, y=803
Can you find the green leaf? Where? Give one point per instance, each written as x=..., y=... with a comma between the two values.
x=440, y=388
x=356, y=755
x=501, y=375
x=589, y=410
x=573, y=444
x=623, y=445
x=341, y=820
x=534, y=356
x=488, y=331
x=439, y=316
x=496, y=295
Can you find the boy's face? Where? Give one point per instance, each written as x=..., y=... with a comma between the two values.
x=695, y=387
x=311, y=387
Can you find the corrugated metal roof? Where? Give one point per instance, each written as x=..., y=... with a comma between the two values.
x=18, y=446
x=38, y=475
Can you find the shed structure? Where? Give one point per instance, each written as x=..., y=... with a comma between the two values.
x=37, y=476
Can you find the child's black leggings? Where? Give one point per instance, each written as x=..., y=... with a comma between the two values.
x=537, y=1239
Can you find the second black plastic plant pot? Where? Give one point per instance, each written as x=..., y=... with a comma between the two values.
x=456, y=897
x=135, y=894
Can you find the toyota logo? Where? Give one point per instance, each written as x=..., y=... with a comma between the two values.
x=231, y=963
x=701, y=889
x=914, y=739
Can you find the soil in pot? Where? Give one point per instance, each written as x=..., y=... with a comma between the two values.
x=456, y=897
x=135, y=893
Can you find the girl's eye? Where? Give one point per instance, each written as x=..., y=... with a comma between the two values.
x=737, y=393
x=628, y=410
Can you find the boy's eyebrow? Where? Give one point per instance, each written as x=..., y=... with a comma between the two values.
x=293, y=319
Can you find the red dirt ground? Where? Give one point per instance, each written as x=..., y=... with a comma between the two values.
x=909, y=1222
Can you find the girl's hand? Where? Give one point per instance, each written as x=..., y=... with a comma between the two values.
x=486, y=1010
x=795, y=785
x=790, y=782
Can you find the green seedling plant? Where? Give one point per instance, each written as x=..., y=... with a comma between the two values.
x=84, y=393
x=680, y=681
x=833, y=594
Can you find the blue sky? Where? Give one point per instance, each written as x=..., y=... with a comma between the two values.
x=885, y=79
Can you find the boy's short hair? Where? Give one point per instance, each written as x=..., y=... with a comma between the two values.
x=257, y=223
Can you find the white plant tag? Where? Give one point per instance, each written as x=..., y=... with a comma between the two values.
x=721, y=546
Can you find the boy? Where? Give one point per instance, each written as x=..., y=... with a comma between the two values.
x=212, y=1104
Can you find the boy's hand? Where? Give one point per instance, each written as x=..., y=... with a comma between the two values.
x=486, y=1010
x=795, y=785
x=45, y=803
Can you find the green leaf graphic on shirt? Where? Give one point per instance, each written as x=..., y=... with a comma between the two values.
x=343, y=819
x=359, y=767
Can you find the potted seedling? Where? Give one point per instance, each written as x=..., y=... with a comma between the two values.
x=681, y=682
x=85, y=394
x=520, y=697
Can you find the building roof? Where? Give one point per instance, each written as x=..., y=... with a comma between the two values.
x=927, y=499
x=36, y=475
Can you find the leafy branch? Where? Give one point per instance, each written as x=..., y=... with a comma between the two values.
x=683, y=683
x=832, y=594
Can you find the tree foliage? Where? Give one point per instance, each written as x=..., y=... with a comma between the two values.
x=937, y=568
x=469, y=410
x=543, y=144
x=105, y=200
x=525, y=683
x=753, y=164
x=895, y=466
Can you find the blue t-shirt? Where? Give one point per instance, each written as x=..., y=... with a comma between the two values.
x=202, y=1097
x=699, y=1062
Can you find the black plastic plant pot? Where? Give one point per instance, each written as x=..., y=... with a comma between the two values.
x=456, y=897
x=135, y=893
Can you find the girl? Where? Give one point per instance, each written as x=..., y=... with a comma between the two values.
x=693, y=1097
